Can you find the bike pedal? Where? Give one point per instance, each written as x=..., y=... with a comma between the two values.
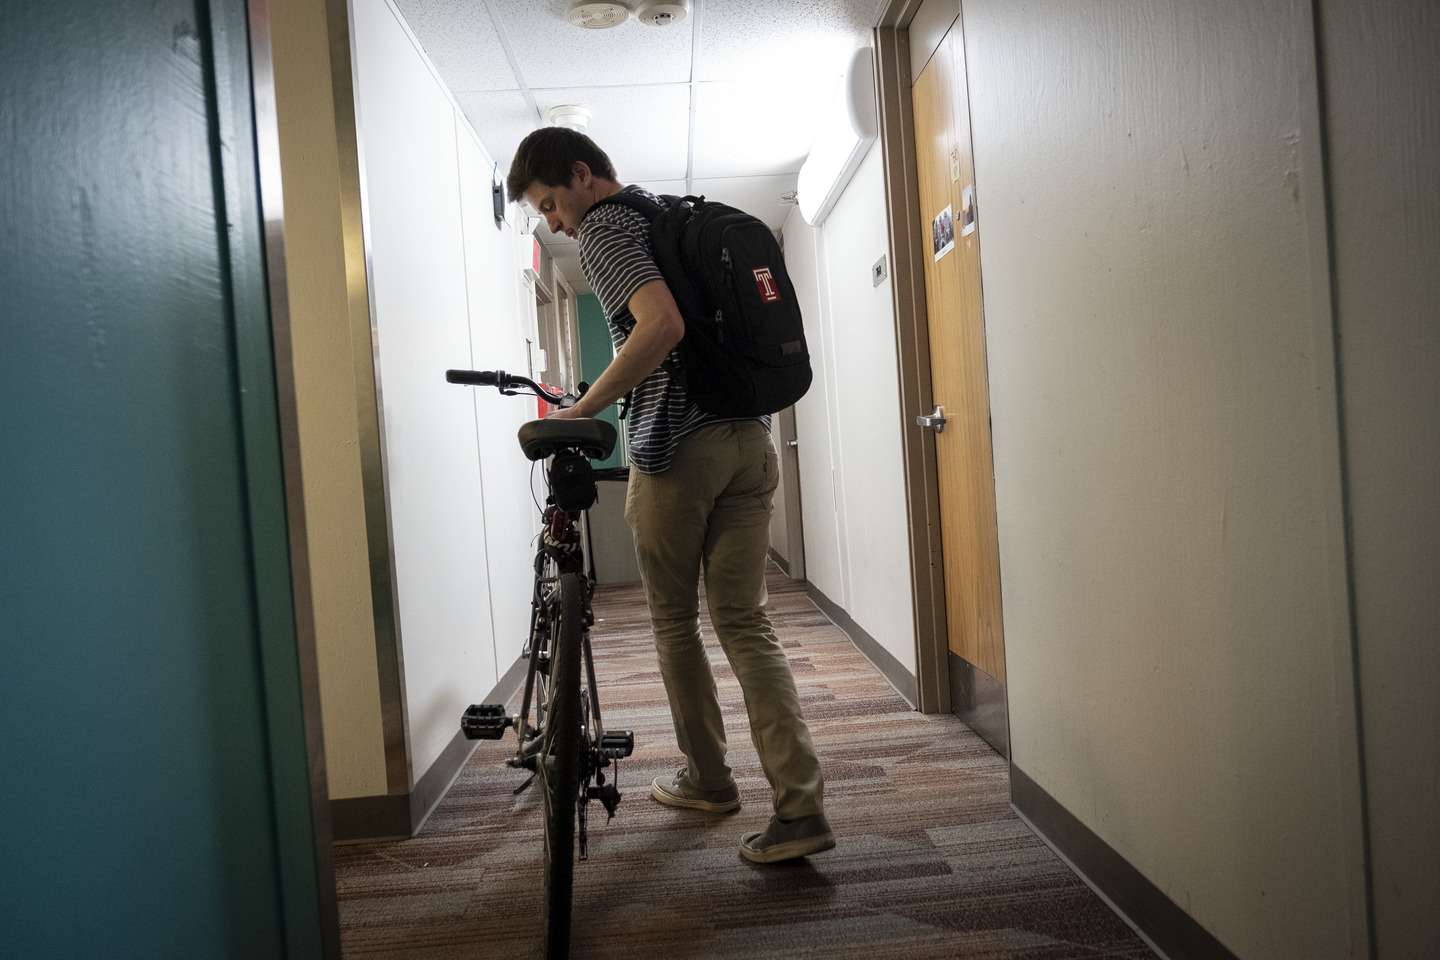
x=617, y=743
x=485, y=721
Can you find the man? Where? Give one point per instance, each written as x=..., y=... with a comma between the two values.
x=701, y=491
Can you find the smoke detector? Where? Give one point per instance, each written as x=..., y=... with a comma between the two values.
x=569, y=115
x=597, y=14
x=662, y=13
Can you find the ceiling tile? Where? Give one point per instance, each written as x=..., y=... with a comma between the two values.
x=645, y=130
x=553, y=53
x=757, y=196
x=755, y=128
x=780, y=39
x=501, y=120
x=461, y=40
x=675, y=188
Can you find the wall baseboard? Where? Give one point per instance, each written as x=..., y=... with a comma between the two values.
x=901, y=679
x=979, y=700
x=780, y=562
x=366, y=819
x=1159, y=921
x=399, y=816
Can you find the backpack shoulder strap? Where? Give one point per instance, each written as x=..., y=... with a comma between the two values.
x=640, y=204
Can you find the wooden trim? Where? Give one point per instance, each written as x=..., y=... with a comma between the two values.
x=1158, y=920
x=892, y=669
x=907, y=287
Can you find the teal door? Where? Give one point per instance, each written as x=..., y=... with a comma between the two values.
x=157, y=797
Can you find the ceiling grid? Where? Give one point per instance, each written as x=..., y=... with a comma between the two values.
x=696, y=12
x=510, y=56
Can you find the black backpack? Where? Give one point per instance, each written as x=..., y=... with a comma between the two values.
x=743, y=353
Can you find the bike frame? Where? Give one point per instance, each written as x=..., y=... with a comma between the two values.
x=564, y=588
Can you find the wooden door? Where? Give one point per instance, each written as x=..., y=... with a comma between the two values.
x=959, y=385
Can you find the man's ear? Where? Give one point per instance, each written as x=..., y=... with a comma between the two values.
x=580, y=174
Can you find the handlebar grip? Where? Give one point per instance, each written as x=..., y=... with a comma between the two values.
x=474, y=378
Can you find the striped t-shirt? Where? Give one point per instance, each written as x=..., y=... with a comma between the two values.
x=616, y=257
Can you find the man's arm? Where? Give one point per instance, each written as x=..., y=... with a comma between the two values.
x=658, y=327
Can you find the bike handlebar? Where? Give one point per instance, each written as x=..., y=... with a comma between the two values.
x=474, y=378
x=510, y=384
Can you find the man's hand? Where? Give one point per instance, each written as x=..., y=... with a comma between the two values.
x=566, y=413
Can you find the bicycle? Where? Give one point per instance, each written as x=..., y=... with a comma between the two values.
x=567, y=748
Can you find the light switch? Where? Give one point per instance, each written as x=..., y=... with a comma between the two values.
x=877, y=272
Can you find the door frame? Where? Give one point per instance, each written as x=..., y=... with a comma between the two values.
x=906, y=227
x=793, y=559
x=248, y=124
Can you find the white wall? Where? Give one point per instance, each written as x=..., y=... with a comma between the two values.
x=1153, y=253
x=848, y=425
x=502, y=316
x=819, y=507
x=446, y=292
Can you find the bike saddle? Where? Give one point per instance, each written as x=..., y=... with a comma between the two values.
x=593, y=438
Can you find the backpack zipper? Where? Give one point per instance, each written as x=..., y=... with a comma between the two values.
x=729, y=282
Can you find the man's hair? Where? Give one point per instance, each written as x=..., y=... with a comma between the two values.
x=548, y=156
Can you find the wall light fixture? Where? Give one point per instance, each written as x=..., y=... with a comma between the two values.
x=846, y=132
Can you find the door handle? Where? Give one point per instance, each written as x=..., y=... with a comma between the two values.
x=935, y=420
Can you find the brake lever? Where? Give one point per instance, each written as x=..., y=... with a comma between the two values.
x=570, y=399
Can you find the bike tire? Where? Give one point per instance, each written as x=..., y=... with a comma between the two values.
x=561, y=762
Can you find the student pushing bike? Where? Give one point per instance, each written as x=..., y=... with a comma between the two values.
x=708, y=344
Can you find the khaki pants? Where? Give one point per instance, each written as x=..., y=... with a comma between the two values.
x=711, y=508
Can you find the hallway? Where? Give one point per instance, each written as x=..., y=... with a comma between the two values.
x=932, y=861
x=1212, y=315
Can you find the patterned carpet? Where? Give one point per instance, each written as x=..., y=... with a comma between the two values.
x=931, y=860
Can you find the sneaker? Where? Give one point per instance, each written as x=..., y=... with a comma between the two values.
x=679, y=792
x=788, y=839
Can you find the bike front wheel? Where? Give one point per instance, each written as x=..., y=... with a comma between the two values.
x=560, y=761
